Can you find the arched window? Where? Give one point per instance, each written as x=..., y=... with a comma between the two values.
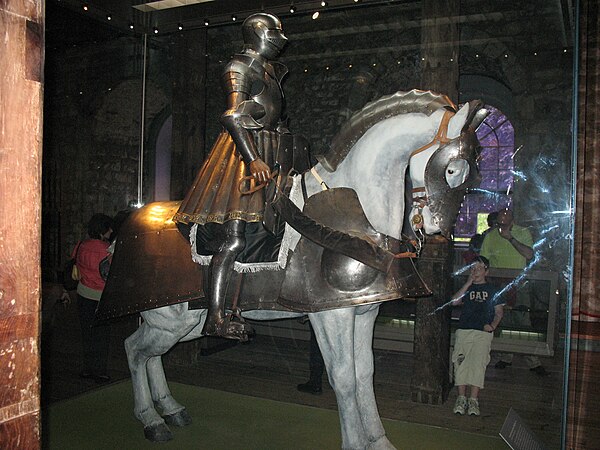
x=497, y=138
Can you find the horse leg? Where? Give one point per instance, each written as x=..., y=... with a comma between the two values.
x=155, y=428
x=334, y=330
x=148, y=341
x=173, y=412
x=363, y=358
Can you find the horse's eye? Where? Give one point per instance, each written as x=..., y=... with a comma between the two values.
x=450, y=172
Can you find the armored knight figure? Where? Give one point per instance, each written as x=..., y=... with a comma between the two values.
x=227, y=188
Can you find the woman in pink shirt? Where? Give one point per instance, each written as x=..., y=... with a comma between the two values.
x=95, y=339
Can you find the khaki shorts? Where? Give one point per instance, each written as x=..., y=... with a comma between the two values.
x=471, y=356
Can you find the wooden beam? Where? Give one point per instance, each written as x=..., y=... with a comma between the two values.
x=21, y=96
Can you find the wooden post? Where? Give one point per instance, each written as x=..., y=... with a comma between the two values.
x=21, y=96
x=430, y=381
x=439, y=46
x=439, y=52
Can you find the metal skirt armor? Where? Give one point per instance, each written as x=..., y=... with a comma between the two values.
x=217, y=193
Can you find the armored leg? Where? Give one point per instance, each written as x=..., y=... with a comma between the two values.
x=220, y=270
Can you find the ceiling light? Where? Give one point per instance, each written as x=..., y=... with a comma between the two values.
x=85, y=7
x=234, y=17
x=206, y=22
x=323, y=3
x=180, y=27
x=131, y=25
x=155, y=30
x=315, y=15
x=292, y=9
x=108, y=17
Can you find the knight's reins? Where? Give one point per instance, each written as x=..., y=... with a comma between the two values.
x=257, y=187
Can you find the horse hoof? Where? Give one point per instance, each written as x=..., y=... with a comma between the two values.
x=179, y=419
x=158, y=433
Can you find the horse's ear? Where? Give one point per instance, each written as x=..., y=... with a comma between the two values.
x=475, y=116
x=458, y=121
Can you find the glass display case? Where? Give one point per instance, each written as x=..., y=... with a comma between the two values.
x=517, y=57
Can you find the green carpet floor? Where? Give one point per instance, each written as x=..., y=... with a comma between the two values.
x=103, y=419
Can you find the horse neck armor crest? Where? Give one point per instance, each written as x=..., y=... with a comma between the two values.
x=414, y=101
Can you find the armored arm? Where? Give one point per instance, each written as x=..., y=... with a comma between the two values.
x=242, y=112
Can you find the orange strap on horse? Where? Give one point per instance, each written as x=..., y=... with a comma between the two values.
x=441, y=136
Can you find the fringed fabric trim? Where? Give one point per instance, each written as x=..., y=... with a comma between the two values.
x=288, y=242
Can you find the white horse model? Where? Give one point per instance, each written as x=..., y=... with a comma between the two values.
x=374, y=167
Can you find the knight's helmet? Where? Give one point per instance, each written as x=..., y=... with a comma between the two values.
x=263, y=33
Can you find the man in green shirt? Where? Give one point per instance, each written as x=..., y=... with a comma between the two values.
x=510, y=246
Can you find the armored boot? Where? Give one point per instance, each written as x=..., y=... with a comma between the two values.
x=221, y=270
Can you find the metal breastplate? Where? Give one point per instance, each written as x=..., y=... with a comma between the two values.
x=260, y=80
x=270, y=97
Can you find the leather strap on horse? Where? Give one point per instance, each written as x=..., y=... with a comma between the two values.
x=441, y=136
x=354, y=247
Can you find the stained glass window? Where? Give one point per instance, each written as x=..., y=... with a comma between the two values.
x=497, y=138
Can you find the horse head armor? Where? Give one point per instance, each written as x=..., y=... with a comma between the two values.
x=444, y=174
x=452, y=170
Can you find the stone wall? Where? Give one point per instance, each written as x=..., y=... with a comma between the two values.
x=92, y=115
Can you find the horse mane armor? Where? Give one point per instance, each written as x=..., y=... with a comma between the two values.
x=414, y=101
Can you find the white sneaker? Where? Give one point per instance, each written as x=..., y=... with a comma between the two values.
x=460, y=406
x=473, y=407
